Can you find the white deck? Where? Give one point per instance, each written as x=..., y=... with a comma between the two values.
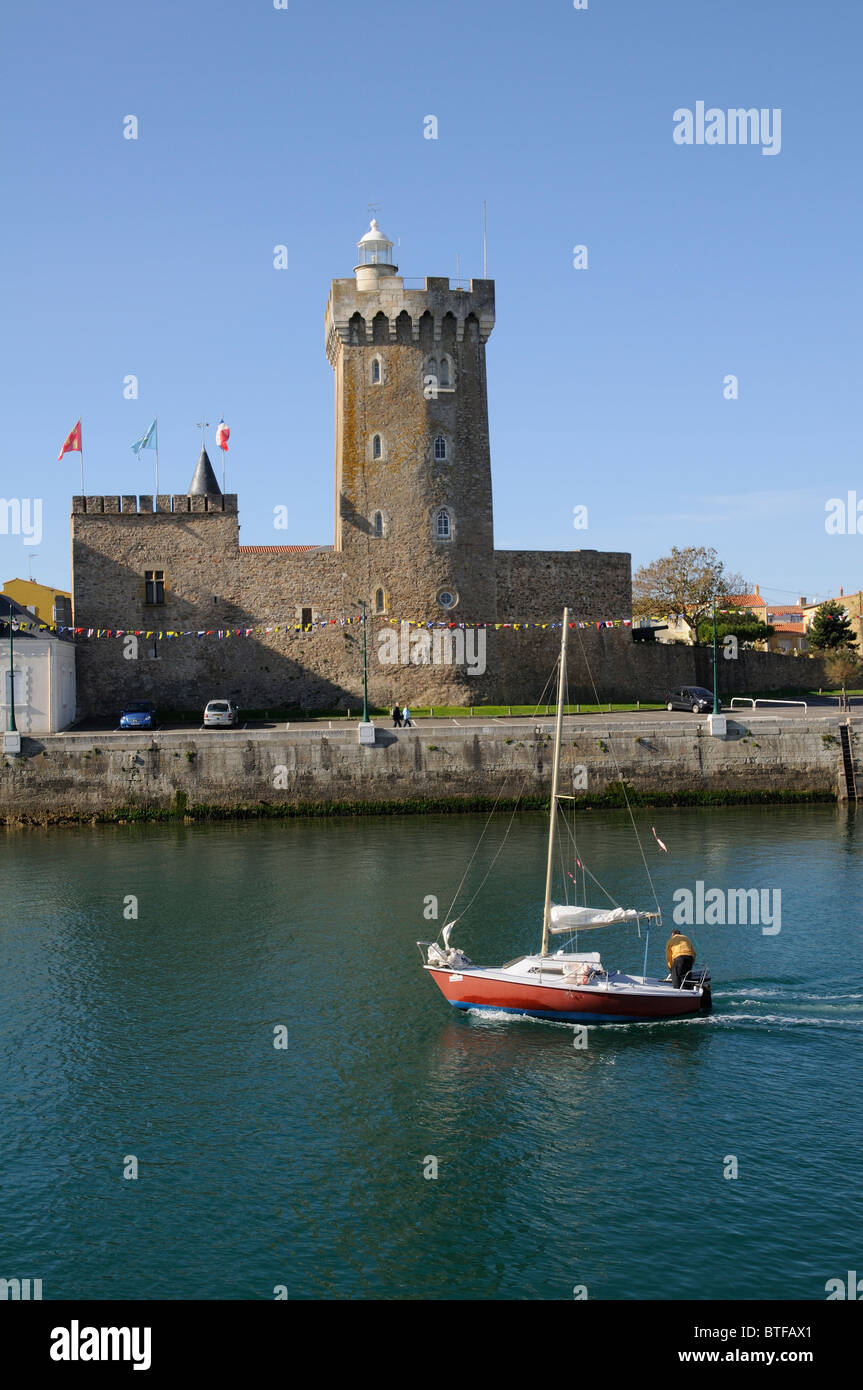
x=548, y=971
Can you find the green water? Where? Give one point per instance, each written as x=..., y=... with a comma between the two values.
x=304, y=1167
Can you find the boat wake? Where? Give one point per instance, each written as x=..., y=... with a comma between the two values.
x=754, y=993
x=788, y=1004
x=748, y=1007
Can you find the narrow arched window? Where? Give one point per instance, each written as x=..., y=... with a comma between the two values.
x=439, y=447
x=379, y=600
x=444, y=372
x=443, y=526
x=376, y=370
x=377, y=447
x=379, y=523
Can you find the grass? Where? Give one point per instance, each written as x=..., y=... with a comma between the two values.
x=295, y=716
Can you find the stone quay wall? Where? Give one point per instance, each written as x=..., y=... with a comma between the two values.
x=70, y=776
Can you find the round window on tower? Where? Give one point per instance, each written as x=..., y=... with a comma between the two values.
x=447, y=599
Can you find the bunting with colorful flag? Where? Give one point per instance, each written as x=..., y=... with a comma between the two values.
x=322, y=623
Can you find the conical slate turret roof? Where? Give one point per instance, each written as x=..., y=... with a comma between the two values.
x=204, y=480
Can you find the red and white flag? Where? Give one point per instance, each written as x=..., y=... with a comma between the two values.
x=657, y=839
x=223, y=434
x=74, y=443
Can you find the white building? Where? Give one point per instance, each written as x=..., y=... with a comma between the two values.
x=43, y=674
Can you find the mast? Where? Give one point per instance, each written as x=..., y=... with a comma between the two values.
x=552, y=820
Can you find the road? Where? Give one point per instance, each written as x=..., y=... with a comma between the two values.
x=818, y=708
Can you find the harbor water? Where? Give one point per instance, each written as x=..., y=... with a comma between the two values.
x=224, y=1073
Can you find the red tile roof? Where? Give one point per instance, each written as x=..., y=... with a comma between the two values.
x=788, y=627
x=741, y=601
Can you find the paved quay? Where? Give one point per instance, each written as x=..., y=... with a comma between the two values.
x=824, y=710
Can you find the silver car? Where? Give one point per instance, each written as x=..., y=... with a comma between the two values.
x=221, y=714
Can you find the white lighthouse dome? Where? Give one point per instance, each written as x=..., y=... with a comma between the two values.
x=375, y=258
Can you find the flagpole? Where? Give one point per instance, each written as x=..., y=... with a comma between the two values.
x=157, y=455
x=81, y=419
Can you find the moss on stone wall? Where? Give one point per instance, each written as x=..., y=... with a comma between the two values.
x=613, y=798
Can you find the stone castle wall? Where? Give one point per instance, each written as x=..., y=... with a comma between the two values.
x=535, y=584
x=322, y=670
x=212, y=583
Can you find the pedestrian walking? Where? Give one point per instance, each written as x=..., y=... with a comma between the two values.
x=397, y=717
x=406, y=717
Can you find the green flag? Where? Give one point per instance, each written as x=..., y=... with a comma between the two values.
x=147, y=441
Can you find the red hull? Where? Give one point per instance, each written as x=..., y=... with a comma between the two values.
x=469, y=990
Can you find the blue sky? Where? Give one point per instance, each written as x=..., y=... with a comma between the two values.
x=259, y=127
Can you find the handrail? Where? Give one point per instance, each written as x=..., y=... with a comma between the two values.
x=419, y=281
x=747, y=699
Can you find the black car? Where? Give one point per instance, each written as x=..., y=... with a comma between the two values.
x=692, y=697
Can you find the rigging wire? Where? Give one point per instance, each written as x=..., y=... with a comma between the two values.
x=619, y=777
x=540, y=701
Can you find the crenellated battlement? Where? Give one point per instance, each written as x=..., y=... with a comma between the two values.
x=390, y=313
x=164, y=503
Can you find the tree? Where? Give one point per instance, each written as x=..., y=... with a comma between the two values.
x=685, y=582
x=845, y=668
x=831, y=628
x=746, y=627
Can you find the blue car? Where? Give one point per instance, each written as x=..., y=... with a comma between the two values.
x=139, y=714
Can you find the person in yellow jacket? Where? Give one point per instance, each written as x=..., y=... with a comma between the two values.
x=679, y=956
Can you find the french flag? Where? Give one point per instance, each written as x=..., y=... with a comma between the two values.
x=223, y=434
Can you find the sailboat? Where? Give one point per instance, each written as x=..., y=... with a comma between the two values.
x=568, y=985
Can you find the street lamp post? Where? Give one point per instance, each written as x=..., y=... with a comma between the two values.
x=11, y=741
x=715, y=668
x=365, y=667
x=12, y=727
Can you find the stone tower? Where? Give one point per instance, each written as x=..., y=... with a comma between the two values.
x=413, y=474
